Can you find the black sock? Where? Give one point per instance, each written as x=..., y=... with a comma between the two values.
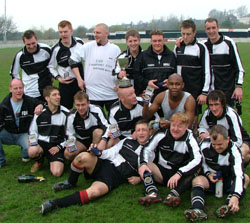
x=197, y=196
x=66, y=201
x=74, y=174
x=174, y=192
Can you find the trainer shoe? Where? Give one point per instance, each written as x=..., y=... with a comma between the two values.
x=25, y=159
x=47, y=207
x=195, y=214
x=150, y=199
x=36, y=166
x=222, y=211
x=172, y=201
x=63, y=185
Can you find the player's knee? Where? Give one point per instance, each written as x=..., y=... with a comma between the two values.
x=200, y=180
x=57, y=172
x=33, y=152
x=81, y=158
x=97, y=133
x=93, y=194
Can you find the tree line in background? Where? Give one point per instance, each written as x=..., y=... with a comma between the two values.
x=227, y=19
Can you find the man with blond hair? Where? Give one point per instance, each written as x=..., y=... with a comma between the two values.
x=99, y=58
x=176, y=161
x=59, y=65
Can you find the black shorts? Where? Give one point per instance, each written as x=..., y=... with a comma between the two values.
x=88, y=140
x=166, y=173
x=107, y=173
x=51, y=158
x=185, y=181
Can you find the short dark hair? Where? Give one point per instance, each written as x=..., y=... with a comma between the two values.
x=64, y=23
x=132, y=32
x=211, y=19
x=216, y=95
x=156, y=32
x=48, y=89
x=141, y=121
x=218, y=130
x=188, y=24
x=81, y=95
x=28, y=34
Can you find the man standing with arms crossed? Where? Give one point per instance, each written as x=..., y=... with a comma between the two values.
x=99, y=57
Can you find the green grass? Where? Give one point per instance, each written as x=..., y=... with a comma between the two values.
x=19, y=202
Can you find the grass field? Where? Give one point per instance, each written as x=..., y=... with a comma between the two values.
x=20, y=202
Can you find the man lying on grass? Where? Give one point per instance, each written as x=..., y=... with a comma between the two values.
x=114, y=166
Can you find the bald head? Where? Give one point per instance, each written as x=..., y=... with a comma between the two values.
x=101, y=32
x=175, y=77
x=16, y=89
x=103, y=26
x=16, y=81
x=127, y=96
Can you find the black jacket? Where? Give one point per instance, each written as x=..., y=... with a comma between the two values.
x=149, y=67
x=7, y=117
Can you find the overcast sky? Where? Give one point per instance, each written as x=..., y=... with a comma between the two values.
x=47, y=13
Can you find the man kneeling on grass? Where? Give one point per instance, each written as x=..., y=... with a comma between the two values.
x=220, y=155
x=115, y=166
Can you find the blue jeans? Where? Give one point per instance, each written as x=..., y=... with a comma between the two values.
x=13, y=139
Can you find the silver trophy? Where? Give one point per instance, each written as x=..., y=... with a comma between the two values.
x=123, y=61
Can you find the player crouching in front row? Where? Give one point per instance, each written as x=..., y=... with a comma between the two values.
x=222, y=155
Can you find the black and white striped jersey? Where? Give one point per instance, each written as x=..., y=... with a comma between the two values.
x=228, y=162
x=127, y=118
x=50, y=128
x=59, y=62
x=124, y=156
x=193, y=64
x=80, y=128
x=35, y=74
x=227, y=69
x=182, y=155
x=230, y=120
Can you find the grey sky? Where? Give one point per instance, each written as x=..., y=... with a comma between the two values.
x=47, y=13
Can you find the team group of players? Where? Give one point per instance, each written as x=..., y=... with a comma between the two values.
x=165, y=151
